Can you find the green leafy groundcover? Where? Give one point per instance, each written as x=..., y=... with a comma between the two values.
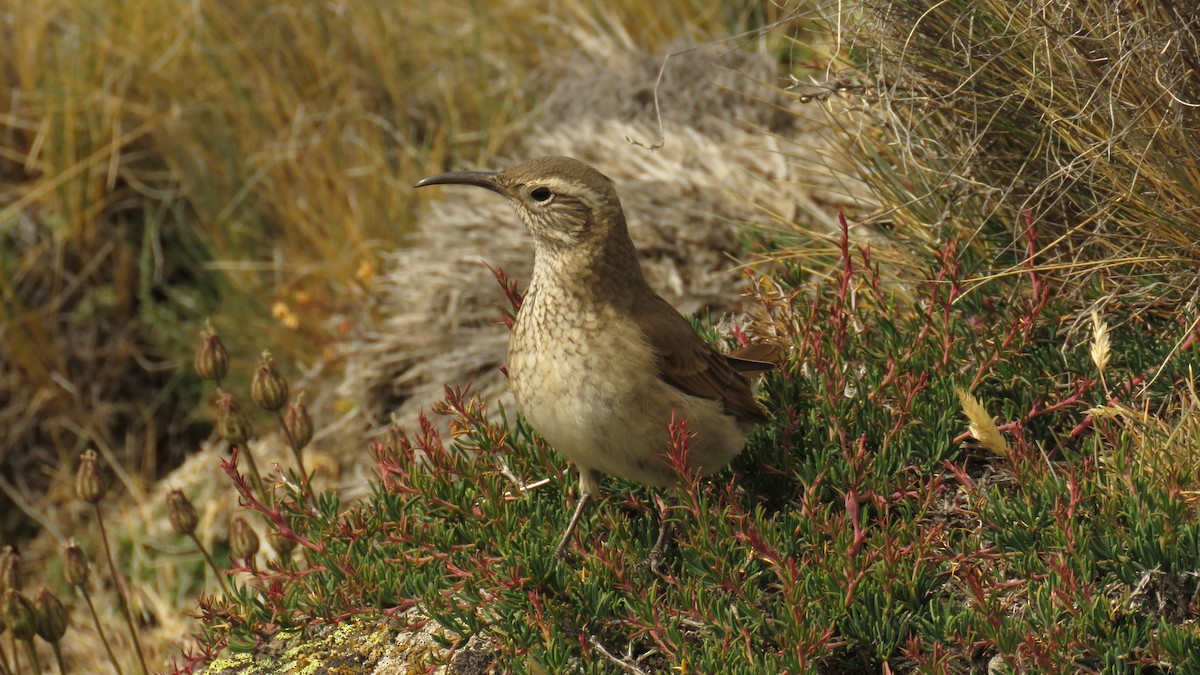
x=860, y=529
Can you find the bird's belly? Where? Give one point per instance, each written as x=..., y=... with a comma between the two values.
x=604, y=408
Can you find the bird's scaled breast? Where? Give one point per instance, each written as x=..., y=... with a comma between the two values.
x=588, y=383
x=576, y=369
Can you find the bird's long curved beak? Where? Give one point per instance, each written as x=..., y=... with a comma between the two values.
x=483, y=179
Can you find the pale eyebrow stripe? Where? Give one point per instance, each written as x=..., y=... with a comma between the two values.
x=559, y=185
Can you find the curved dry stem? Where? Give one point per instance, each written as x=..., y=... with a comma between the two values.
x=304, y=477
x=255, y=476
x=4, y=669
x=112, y=658
x=58, y=657
x=211, y=563
x=33, y=657
x=122, y=592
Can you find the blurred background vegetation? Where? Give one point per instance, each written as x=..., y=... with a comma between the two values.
x=164, y=163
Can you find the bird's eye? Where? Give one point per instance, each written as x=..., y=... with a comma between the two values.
x=540, y=194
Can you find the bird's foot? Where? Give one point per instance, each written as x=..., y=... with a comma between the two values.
x=658, y=552
x=654, y=560
x=560, y=551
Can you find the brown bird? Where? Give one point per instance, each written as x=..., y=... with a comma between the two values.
x=599, y=363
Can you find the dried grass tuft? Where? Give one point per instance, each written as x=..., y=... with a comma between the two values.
x=982, y=425
x=1162, y=442
x=1074, y=120
x=1100, y=349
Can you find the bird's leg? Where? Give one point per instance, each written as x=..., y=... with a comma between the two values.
x=589, y=483
x=665, y=528
x=566, y=537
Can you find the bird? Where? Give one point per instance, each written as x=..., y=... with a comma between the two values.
x=599, y=363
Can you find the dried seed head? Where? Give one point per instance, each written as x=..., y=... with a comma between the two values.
x=75, y=565
x=232, y=421
x=183, y=515
x=10, y=569
x=1100, y=349
x=50, y=615
x=299, y=425
x=282, y=545
x=243, y=540
x=982, y=425
x=268, y=389
x=18, y=613
x=212, y=360
x=90, y=482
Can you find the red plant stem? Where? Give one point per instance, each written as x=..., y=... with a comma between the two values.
x=276, y=518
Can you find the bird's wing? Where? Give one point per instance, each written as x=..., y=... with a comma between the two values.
x=756, y=358
x=689, y=364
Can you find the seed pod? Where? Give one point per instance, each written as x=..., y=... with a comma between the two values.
x=75, y=565
x=282, y=545
x=268, y=389
x=212, y=360
x=50, y=615
x=18, y=612
x=90, y=482
x=243, y=540
x=183, y=515
x=232, y=421
x=298, y=424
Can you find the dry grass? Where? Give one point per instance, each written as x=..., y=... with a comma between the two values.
x=1075, y=119
x=1163, y=439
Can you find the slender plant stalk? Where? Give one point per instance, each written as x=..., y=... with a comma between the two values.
x=33, y=657
x=212, y=565
x=112, y=658
x=304, y=484
x=255, y=478
x=123, y=592
x=62, y=666
x=4, y=669
x=244, y=449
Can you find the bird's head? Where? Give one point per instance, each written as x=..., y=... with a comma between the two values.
x=564, y=203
